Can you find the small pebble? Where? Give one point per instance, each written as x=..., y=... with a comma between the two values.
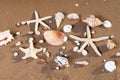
x=112, y=36
x=104, y=60
x=63, y=47
x=107, y=24
x=93, y=32
x=77, y=42
x=50, y=21
x=17, y=33
x=41, y=41
x=15, y=54
x=18, y=43
x=76, y=4
x=18, y=24
x=87, y=3
x=117, y=54
x=75, y=49
x=57, y=68
x=73, y=16
x=110, y=44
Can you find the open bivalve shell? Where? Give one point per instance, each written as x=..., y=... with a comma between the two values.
x=54, y=38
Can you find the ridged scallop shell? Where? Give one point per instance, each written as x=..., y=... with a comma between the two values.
x=55, y=38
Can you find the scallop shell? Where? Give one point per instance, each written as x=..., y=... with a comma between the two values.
x=92, y=21
x=54, y=38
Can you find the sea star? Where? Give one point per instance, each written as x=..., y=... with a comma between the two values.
x=31, y=51
x=89, y=41
x=37, y=21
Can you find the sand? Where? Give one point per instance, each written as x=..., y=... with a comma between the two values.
x=14, y=68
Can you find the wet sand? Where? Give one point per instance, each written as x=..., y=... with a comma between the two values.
x=14, y=68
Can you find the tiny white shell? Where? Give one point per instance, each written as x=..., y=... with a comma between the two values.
x=63, y=47
x=15, y=54
x=117, y=54
x=17, y=33
x=73, y=16
x=30, y=32
x=18, y=43
x=82, y=62
x=67, y=28
x=76, y=4
x=47, y=54
x=110, y=66
x=107, y=24
x=84, y=52
x=44, y=49
x=65, y=39
x=41, y=41
x=75, y=49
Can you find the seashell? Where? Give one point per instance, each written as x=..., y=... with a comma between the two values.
x=18, y=43
x=17, y=33
x=92, y=21
x=111, y=44
x=59, y=16
x=82, y=63
x=75, y=49
x=110, y=66
x=84, y=52
x=107, y=24
x=15, y=54
x=73, y=16
x=55, y=38
x=41, y=41
x=117, y=54
x=67, y=28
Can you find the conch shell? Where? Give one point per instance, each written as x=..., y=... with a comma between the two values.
x=55, y=38
x=92, y=21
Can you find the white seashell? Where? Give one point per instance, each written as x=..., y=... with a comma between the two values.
x=18, y=24
x=41, y=41
x=18, y=43
x=44, y=49
x=111, y=44
x=47, y=54
x=17, y=33
x=82, y=63
x=67, y=28
x=110, y=66
x=30, y=32
x=73, y=16
x=93, y=32
x=15, y=54
x=75, y=49
x=59, y=16
x=62, y=61
x=65, y=39
x=117, y=54
x=57, y=68
x=5, y=37
x=84, y=52
x=107, y=24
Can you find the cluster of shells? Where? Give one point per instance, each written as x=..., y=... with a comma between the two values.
x=57, y=38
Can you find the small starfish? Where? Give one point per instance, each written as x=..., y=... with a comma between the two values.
x=89, y=41
x=37, y=21
x=31, y=51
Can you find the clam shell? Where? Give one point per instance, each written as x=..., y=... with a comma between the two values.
x=110, y=44
x=54, y=38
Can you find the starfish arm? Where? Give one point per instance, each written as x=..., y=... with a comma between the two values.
x=78, y=38
x=100, y=39
x=36, y=29
x=43, y=24
x=45, y=18
x=28, y=22
x=36, y=15
x=24, y=50
x=25, y=57
x=95, y=48
x=31, y=43
x=88, y=32
x=83, y=46
x=34, y=56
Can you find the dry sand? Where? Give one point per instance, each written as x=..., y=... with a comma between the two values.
x=14, y=68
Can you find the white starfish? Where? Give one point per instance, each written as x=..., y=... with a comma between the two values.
x=31, y=51
x=89, y=41
x=37, y=21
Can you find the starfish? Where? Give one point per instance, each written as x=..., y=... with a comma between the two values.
x=89, y=41
x=31, y=51
x=37, y=21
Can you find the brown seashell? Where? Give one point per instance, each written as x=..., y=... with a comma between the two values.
x=111, y=44
x=53, y=37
